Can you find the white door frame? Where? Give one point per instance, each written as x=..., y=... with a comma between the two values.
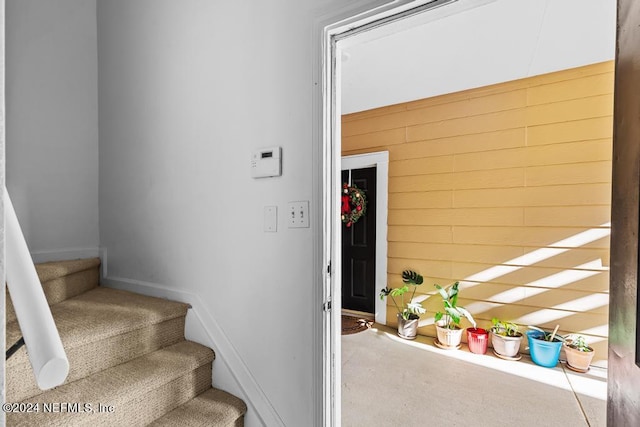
x=380, y=160
x=346, y=22
x=339, y=25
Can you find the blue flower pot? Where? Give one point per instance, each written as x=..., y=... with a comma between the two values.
x=543, y=353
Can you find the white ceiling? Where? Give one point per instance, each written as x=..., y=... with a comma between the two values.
x=473, y=43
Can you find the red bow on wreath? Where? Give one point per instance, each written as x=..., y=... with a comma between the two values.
x=345, y=204
x=354, y=204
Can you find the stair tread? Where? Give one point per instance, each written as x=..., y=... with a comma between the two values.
x=120, y=384
x=104, y=312
x=52, y=270
x=100, y=329
x=213, y=407
x=127, y=351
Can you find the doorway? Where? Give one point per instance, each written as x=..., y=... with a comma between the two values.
x=359, y=246
x=361, y=279
x=336, y=135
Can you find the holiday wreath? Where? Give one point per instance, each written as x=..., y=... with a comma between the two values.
x=354, y=204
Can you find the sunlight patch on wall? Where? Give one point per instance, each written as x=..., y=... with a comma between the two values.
x=576, y=274
x=602, y=331
x=587, y=303
x=546, y=284
x=541, y=254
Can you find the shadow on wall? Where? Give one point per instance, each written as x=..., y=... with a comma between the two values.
x=581, y=307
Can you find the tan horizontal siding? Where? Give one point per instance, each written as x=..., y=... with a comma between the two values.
x=420, y=233
x=556, y=195
x=506, y=189
x=490, y=122
x=421, y=200
x=567, y=216
x=421, y=166
x=441, y=272
x=497, y=140
x=566, y=111
x=577, y=173
x=522, y=236
x=504, y=254
x=472, y=216
x=446, y=252
x=467, y=108
x=576, y=130
x=598, y=84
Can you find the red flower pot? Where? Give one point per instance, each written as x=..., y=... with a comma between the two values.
x=477, y=338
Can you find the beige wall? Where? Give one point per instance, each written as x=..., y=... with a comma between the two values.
x=505, y=188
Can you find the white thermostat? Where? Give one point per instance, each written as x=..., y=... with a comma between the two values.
x=266, y=162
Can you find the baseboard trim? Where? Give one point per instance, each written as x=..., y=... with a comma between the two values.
x=254, y=396
x=64, y=254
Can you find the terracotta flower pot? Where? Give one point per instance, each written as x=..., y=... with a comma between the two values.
x=505, y=345
x=449, y=337
x=408, y=329
x=578, y=360
x=477, y=338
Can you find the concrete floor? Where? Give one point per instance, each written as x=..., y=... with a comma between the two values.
x=388, y=381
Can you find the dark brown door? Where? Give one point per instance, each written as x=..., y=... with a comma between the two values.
x=359, y=248
x=623, y=404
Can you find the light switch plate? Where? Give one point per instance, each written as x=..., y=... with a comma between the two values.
x=270, y=219
x=298, y=214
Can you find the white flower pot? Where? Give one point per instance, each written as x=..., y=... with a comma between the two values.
x=505, y=345
x=448, y=337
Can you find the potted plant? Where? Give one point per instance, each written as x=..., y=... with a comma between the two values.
x=544, y=346
x=579, y=354
x=478, y=340
x=448, y=321
x=409, y=312
x=506, y=339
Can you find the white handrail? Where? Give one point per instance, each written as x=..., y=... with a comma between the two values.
x=46, y=353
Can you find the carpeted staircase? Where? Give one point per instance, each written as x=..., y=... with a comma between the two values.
x=130, y=364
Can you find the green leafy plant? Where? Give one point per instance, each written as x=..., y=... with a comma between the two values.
x=506, y=329
x=452, y=313
x=409, y=309
x=578, y=342
x=546, y=335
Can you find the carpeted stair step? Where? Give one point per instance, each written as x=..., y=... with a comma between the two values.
x=131, y=394
x=212, y=408
x=62, y=280
x=99, y=329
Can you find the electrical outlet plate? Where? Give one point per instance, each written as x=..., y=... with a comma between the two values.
x=271, y=219
x=298, y=214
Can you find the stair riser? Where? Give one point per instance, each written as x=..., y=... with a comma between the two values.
x=137, y=412
x=126, y=352
x=63, y=288
x=212, y=408
x=94, y=357
x=167, y=398
x=59, y=289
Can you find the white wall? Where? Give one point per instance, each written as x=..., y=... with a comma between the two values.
x=2, y=182
x=187, y=90
x=497, y=42
x=52, y=123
